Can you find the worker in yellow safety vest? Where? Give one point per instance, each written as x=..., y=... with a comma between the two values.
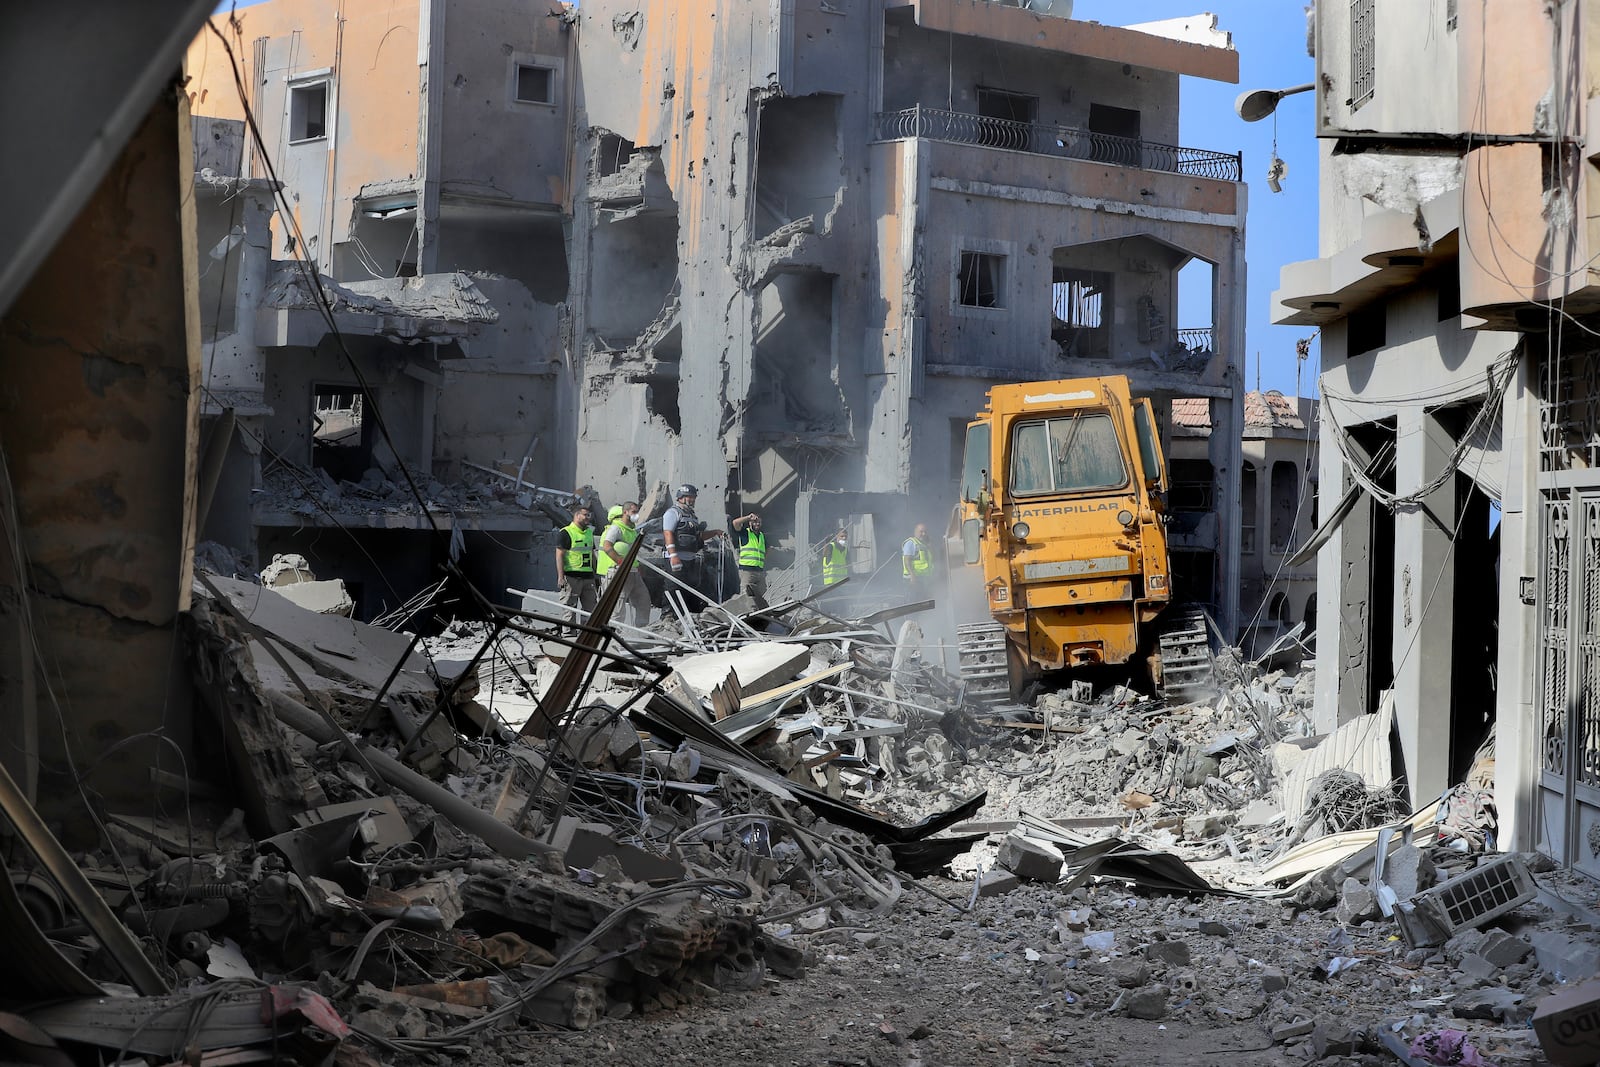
x=916, y=561
x=575, y=564
x=621, y=532
x=752, y=558
x=836, y=559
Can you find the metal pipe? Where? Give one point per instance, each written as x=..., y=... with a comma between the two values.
x=496, y=834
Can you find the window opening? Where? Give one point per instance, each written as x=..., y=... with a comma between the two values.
x=1247, y=510
x=981, y=280
x=1006, y=119
x=1368, y=329
x=1285, y=503
x=308, y=112
x=1072, y=454
x=535, y=85
x=1080, y=303
x=341, y=435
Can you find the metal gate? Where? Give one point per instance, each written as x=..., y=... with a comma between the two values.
x=1568, y=695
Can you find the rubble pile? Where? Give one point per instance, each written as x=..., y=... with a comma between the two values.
x=400, y=846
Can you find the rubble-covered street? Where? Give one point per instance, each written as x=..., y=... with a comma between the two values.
x=780, y=837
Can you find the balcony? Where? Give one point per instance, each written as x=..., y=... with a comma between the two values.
x=1063, y=141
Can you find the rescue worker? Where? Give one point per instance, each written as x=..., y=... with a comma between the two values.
x=621, y=531
x=685, y=535
x=916, y=561
x=752, y=558
x=575, y=563
x=836, y=558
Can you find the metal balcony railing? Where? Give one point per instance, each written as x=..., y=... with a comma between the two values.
x=1065, y=141
x=1196, y=340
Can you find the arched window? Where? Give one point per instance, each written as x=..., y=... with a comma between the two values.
x=1284, y=504
x=1278, y=610
x=1310, y=617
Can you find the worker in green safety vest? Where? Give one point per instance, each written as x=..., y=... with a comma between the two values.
x=575, y=564
x=836, y=558
x=916, y=561
x=752, y=558
x=621, y=532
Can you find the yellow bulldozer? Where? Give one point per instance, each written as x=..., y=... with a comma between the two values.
x=1062, y=513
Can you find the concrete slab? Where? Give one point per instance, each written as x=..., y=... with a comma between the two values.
x=760, y=666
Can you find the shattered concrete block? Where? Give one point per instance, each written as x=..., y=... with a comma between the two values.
x=1503, y=949
x=1408, y=871
x=1176, y=952
x=1030, y=859
x=1495, y=1003
x=1357, y=903
x=1289, y=1031
x=994, y=883
x=1147, y=1003
x=1333, y=1039
x=1564, y=956
x=1274, y=980
x=1212, y=928
x=1129, y=973
x=1476, y=966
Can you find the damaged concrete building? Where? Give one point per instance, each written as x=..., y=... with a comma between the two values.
x=417, y=155
x=809, y=236
x=1278, y=483
x=780, y=253
x=1458, y=472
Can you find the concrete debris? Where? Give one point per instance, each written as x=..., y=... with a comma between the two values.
x=740, y=796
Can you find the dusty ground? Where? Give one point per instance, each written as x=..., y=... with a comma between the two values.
x=1012, y=983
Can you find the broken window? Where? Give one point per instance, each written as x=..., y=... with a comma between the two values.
x=535, y=84
x=1285, y=504
x=611, y=152
x=796, y=162
x=1071, y=454
x=341, y=435
x=981, y=280
x=308, y=112
x=1080, y=305
x=1247, y=510
x=1006, y=119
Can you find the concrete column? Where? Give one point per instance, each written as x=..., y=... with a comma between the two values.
x=1226, y=450
x=1517, y=740
x=1334, y=479
x=1424, y=603
x=99, y=418
x=430, y=142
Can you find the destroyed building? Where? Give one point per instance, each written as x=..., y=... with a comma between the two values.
x=1277, y=508
x=417, y=156
x=807, y=238
x=1459, y=426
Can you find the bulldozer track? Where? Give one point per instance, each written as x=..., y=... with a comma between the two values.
x=981, y=648
x=1186, y=666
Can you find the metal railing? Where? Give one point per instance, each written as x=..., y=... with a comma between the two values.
x=1196, y=340
x=962, y=128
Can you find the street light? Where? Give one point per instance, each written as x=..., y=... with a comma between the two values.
x=1256, y=104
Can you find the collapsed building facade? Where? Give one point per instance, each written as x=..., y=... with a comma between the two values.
x=775, y=253
x=1460, y=429
x=425, y=389
x=1277, y=508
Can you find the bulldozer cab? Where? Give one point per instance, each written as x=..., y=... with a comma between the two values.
x=1062, y=496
